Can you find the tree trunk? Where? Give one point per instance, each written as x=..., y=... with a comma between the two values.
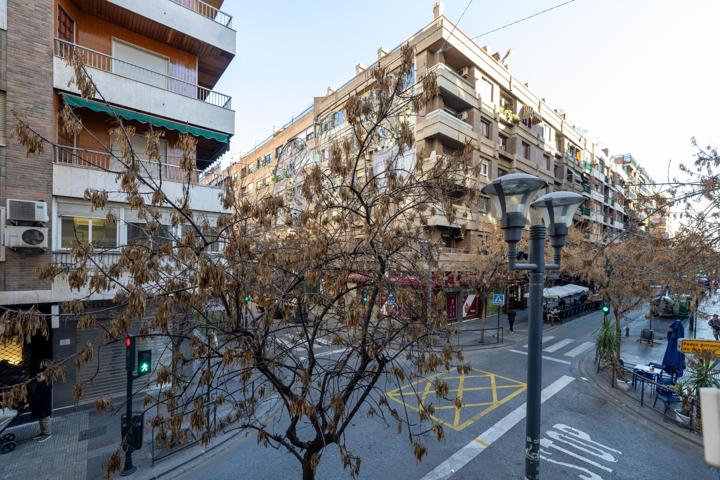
x=307, y=471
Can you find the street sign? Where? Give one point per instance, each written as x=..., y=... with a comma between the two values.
x=391, y=301
x=498, y=299
x=698, y=346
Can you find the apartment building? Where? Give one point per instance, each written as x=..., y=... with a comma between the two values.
x=644, y=199
x=156, y=64
x=513, y=128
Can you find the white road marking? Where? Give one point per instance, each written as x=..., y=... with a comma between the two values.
x=579, y=446
x=322, y=341
x=326, y=353
x=545, y=357
x=583, y=347
x=545, y=339
x=557, y=346
x=463, y=456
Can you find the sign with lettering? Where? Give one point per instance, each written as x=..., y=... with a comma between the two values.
x=698, y=346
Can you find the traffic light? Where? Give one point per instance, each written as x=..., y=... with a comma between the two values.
x=606, y=309
x=247, y=298
x=144, y=363
x=129, y=354
x=364, y=296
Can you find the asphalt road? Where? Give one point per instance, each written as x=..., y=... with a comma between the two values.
x=584, y=435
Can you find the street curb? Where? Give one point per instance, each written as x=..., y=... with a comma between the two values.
x=179, y=466
x=619, y=401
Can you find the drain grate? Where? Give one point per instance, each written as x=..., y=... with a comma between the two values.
x=92, y=433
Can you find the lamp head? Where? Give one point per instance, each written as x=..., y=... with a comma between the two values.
x=510, y=195
x=557, y=210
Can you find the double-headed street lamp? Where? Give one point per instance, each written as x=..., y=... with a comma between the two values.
x=511, y=195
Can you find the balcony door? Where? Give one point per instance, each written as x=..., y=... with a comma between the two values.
x=65, y=26
x=138, y=144
x=139, y=64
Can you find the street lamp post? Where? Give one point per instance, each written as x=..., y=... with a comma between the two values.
x=511, y=196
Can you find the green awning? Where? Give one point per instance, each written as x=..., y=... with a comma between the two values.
x=75, y=101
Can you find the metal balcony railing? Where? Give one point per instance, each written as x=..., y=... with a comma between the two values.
x=171, y=172
x=101, y=61
x=206, y=10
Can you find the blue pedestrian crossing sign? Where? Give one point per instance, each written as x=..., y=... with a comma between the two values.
x=498, y=299
x=391, y=301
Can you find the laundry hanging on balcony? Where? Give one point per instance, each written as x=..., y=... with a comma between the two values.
x=75, y=101
x=528, y=113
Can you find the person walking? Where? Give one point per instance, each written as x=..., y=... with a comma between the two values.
x=715, y=325
x=40, y=402
x=511, y=318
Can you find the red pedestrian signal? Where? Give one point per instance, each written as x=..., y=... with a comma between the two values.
x=128, y=342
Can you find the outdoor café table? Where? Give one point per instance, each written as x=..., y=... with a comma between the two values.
x=655, y=372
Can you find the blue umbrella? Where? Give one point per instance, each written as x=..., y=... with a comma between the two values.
x=674, y=360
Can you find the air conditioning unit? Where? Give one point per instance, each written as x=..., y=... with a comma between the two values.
x=26, y=237
x=464, y=72
x=26, y=211
x=463, y=116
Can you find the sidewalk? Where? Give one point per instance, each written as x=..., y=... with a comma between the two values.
x=634, y=352
x=81, y=443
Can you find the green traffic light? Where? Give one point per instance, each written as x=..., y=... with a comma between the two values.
x=144, y=368
x=606, y=309
x=144, y=362
x=247, y=298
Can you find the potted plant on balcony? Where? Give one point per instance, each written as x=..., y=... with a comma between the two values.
x=509, y=115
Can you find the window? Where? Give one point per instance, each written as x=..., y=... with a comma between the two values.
x=250, y=168
x=267, y=159
x=338, y=119
x=506, y=102
x=210, y=234
x=483, y=203
x=3, y=14
x=98, y=231
x=485, y=126
x=66, y=26
x=277, y=151
x=486, y=90
x=3, y=116
x=503, y=142
x=484, y=169
x=310, y=133
x=127, y=58
x=501, y=172
x=137, y=232
x=526, y=150
x=547, y=162
x=258, y=163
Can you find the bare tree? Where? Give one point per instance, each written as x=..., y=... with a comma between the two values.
x=255, y=296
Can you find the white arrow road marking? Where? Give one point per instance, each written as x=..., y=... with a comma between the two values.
x=587, y=474
x=463, y=456
x=583, y=347
x=558, y=345
x=545, y=357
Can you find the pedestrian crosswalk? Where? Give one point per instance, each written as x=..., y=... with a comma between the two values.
x=567, y=347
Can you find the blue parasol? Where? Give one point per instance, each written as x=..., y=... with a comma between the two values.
x=674, y=360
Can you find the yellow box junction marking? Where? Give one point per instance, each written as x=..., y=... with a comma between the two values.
x=480, y=392
x=698, y=346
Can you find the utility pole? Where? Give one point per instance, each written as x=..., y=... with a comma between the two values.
x=127, y=444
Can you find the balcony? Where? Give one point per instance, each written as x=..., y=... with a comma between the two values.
x=585, y=211
x=191, y=25
x=597, y=196
x=618, y=225
x=75, y=170
x=445, y=125
x=460, y=90
x=135, y=87
x=457, y=258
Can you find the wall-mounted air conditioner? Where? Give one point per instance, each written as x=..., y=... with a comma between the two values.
x=464, y=72
x=464, y=116
x=26, y=211
x=26, y=237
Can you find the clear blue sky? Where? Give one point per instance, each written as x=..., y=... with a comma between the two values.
x=642, y=75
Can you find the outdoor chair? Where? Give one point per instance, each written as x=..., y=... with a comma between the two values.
x=667, y=396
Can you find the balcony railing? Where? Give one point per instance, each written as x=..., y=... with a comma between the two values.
x=206, y=10
x=106, y=63
x=79, y=157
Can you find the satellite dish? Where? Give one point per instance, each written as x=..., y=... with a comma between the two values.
x=292, y=166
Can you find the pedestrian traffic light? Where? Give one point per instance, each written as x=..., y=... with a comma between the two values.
x=247, y=298
x=128, y=342
x=364, y=296
x=144, y=362
x=606, y=309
